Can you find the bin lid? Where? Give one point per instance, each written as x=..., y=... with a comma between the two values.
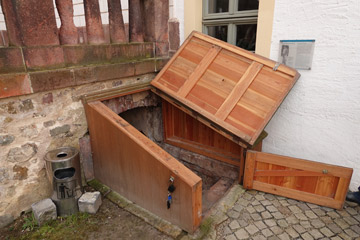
x=233, y=89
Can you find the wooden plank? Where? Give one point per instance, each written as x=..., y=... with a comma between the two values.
x=237, y=92
x=287, y=173
x=250, y=162
x=342, y=189
x=302, y=164
x=200, y=150
x=139, y=169
x=298, y=195
x=242, y=52
x=199, y=71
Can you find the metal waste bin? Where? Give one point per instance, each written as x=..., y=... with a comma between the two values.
x=63, y=168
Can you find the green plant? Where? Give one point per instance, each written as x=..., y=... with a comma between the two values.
x=29, y=223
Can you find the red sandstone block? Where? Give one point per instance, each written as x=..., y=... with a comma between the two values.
x=86, y=54
x=160, y=63
x=174, y=35
x=114, y=71
x=14, y=85
x=44, y=57
x=162, y=49
x=84, y=75
x=11, y=60
x=50, y=80
x=147, y=66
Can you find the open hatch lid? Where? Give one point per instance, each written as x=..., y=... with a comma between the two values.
x=233, y=89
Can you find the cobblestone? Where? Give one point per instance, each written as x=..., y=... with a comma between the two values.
x=260, y=216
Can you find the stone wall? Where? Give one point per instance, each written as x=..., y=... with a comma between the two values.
x=30, y=126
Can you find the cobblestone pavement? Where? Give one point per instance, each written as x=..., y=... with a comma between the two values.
x=258, y=215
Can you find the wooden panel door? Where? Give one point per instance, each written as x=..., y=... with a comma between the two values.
x=138, y=169
x=229, y=87
x=304, y=180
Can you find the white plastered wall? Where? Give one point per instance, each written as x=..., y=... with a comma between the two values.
x=320, y=118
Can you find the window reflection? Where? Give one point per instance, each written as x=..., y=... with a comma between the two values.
x=246, y=36
x=248, y=5
x=218, y=6
x=219, y=32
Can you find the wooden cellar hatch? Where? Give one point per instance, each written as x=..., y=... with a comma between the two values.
x=215, y=101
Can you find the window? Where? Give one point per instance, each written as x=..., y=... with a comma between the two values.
x=233, y=21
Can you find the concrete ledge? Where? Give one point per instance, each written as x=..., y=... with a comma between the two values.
x=155, y=221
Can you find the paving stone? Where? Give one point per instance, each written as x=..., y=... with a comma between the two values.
x=284, y=203
x=242, y=223
x=351, y=204
x=284, y=210
x=256, y=216
x=295, y=209
x=326, y=219
x=270, y=222
x=269, y=197
x=305, y=224
x=319, y=212
x=259, y=237
x=259, y=208
x=292, y=201
x=277, y=215
x=282, y=223
x=333, y=214
x=307, y=236
x=252, y=229
x=244, y=203
x=326, y=209
x=312, y=206
x=245, y=216
x=316, y=233
x=357, y=217
x=252, y=192
x=247, y=196
x=344, y=236
x=301, y=216
x=300, y=229
x=44, y=210
x=241, y=234
x=255, y=203
x=267, y=232
x=266, y=203
x=303, y=206
x=310, y=214
x=238, y=208
x=292, y=220
x=343, y=213
x=276, y=230
x=341, y=223
x=272, y=209
x=273, y=238
x=292, y=232
x=327, y=232
x=266, y=215
x=336, y=238
x=334, y=228
x=284, y=236
x=351, y=220
x=234, y=225
x=227, y=230
x=317, y=223
x=260, y=225
x=250, y=209
x=276, y=203
x=356, y=228
x=260, y=197
x=230, y=237
x=233, y=214
x=90, y=202
x=351, y=233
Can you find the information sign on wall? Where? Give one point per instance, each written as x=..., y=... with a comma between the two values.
x=297, y=53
